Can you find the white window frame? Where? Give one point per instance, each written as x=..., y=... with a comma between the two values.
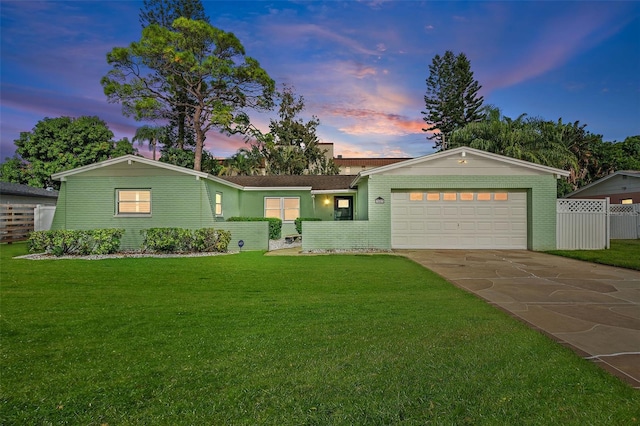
x=133, y=213
x=282, y=209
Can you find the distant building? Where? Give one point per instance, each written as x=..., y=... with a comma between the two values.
x=622, y=187
x=353, y=166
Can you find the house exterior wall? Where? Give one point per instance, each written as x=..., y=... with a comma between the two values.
x=541, y=208
x=252, y=205
x=176, y=201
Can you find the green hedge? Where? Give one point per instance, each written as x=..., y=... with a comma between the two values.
x=275, y=224
x=75, y=242
x=179, y=240
x=299, y=221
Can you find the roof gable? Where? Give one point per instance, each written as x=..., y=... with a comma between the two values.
x=464, y=161
x=111, y=166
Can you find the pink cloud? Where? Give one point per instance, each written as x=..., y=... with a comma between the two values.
x=303, y=31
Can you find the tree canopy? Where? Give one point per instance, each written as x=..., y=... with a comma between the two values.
x=58, y=144
x=451, y=99
x=291, y=147
x=219, y=80
x=567, y=146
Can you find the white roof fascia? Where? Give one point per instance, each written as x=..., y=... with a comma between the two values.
x=599, y=181
x=333, y=191
x=455, y=151
x=277, y=188
x=129, y=159
x=133, y=158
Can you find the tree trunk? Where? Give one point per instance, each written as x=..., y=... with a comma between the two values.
x=200, y=136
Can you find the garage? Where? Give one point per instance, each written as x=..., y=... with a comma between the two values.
x=459, y=219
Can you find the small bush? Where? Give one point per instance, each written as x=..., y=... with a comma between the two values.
x=275, y=224
x=179, y=240
x=75, y=242
x=211, y=240
x=298, y=222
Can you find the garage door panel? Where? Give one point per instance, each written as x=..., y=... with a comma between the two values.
x=467, y=226
x=455, y=224
x=450, y=211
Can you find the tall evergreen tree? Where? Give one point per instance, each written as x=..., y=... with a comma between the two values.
x=164, y=13
x=452, y=99
x=210, y=64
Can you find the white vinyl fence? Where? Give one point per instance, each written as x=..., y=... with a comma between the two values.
x=43, y=217
x=625, y=221
x=582, y=224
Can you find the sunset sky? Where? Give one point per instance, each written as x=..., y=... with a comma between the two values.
x=360, y=65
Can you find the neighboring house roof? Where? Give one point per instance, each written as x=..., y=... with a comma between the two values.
x=313, y=182
x=8, y=188
x=460, y=152
x=630, y=173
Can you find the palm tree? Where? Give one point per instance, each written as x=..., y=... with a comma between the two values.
x=533, y=140
x=153, y=134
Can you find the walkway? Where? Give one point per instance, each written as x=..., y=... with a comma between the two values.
x=593, y=309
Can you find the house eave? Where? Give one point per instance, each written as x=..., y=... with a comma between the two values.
x=459, y=151
x=333, y=191
x=277, y=188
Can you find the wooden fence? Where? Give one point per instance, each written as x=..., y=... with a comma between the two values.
x=16, y=222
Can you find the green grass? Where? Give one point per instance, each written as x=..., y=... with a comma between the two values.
x=252, y=340
x=623, y=253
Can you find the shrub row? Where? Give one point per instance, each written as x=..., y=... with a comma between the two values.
x=75, y=242
x=275, y=224
x=179, y=240
x=299, y=221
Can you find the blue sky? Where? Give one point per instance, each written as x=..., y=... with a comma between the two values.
x=360, y=65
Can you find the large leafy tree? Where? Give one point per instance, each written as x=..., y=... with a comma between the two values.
x=163, y=13
x=451, y=99
x=291, y=146
x=58, y=144
x=210, y=64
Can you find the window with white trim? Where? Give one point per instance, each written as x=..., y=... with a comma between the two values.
x=218, y=203
x=285, y=208
x=133, y=201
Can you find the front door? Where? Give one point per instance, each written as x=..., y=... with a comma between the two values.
x=343, y=208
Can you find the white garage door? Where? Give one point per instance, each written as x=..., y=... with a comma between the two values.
x=459, y=220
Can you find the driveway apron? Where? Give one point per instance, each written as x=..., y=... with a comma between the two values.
x=592, y=309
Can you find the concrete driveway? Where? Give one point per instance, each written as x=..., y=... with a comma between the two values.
x=593, y=309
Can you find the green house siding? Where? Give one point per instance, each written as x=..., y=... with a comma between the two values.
x=541, y=211
x=252, y=205
x=176, y=201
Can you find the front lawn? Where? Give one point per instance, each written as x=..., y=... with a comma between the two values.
x=252, y=340
x=623, y=253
